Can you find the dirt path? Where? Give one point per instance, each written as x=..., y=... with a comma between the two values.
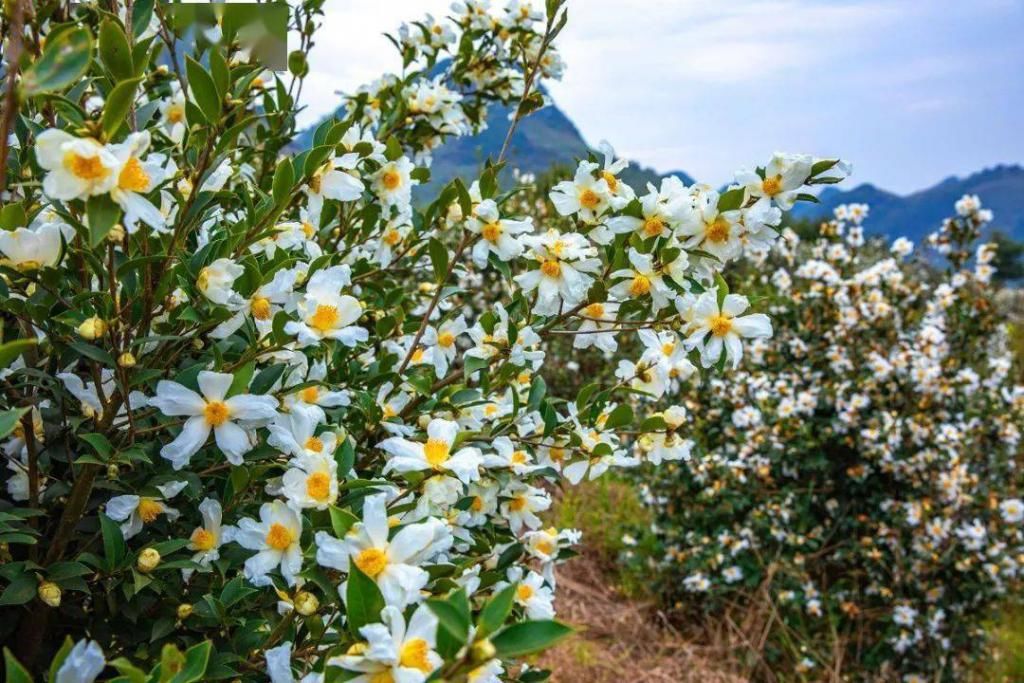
x=621, y=640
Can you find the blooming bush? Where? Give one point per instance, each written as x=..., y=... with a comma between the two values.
x=265, y=416
x=856, y=483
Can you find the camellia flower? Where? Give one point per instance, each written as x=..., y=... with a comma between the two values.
x=172, y=111
x=441, y=343
x=521, y=505
x=333, y=181
x=392, y=651
x=783, y=177
x=311, y=482
x=262, y=306
x=561, y=277
x=597, y=317
x=295, y=433
x=584, y=194
x=393, y=183
x=28, y=249
x=531, y=594
x=216, y=281
x=498, y=235
x=392, y=563
x=713, y=328
x=718, y=233
x=210, y=411
x=206, y=540
x=642, y=279
x=78, y=167
x=435, y=454
x=276, y=538
x=135, y=511
x=326, y=313
x=137, y=178
x=279, y=666
x=84, y=663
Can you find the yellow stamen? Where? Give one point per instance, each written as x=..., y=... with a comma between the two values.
x=372, y=561
x=414, y=655
x=589, y=199
x=524, y=592
x=595, y=310
x=720, y=325
x=391, y=179
x=310, y=394
x=314, y=444
x=491, y=232
x=318, y=486
x=640, y=285
x=133, y=177
x=325, y=318
x=260, y=307
x=279, y=537
x=551, y=268
x=202, y=539
x=436, y=452
x=517, y=504
x=653, y=226
x=718, y=231
x=609, y=177
x=445, y=339
x=150, y=509
x=86, y=168
x=216, y=413
x=772, y=185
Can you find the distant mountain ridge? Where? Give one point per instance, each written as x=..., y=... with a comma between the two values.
x=548, y=138
x=1000, y=188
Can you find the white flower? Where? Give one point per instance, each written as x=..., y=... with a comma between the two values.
x=642, y=279
x=206, y=539
x=392, y=563
x=440, y=343
x=596, y=318
x=262, y=306
x=326, y=313
x=532, y=594
x=311, y=482
x=560, y=279
x=498, y=235
x=718, y=233
x=217, y=178
x=1012, y=510
x=276, y=538
x=783, y=177
x=713, y=328
x=393, y=183
x=28, y=249
x=584, y=194
x=134, y=511
x=521, y=505
x=137, y=178
x=78, y=167
x=333, y=181
x=295, y=433
x=435, y=454
x=210, y=411
x=393, y=652
x=83, y=664
x=172, y=112
x=216, y=281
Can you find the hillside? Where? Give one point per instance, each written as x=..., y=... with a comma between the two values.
x=914, y=215
x=548, y=138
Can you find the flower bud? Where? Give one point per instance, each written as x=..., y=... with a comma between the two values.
x=483, y=650
x=306, y=603
x=92, y=328
x=49, y=593
x=116, y=234
x=184, y=611
x=148, y=560
x=126, y=360
x=112, y=471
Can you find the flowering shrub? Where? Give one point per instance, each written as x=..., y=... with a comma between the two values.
x=264, y=416
x=857, y=481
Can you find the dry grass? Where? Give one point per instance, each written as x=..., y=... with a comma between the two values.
x=619, y=637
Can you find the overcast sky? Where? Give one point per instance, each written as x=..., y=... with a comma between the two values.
x=910, y=91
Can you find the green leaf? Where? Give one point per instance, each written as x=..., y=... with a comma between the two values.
x=9, y=420
x=242, y=377
x=94, y=352
x=731, y=200
x=119, y=101
x=452, y=619
x=203, y=89
x=364, y=600
x=538, y=389
x=266, y=378
x=99, y=443
x=13, y=217
x=465, y=201
x=723, y=288
x=63, y=62
x=12, y=349
x=496, y=611
x=102, y=213
x=220, y=71
x=115, y=52
x=20, y=590
x=341, y=521
x=622, y=415
x=114, y=547
x=527, y=637
x=284, y=179
x=142, y=12
x=439, y=259
x=129, y=672
x=196, y=659
x=14, y=671
x=61, y=655
x=393, y=150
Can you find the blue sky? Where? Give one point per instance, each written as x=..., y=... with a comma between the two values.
x=910, y=91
